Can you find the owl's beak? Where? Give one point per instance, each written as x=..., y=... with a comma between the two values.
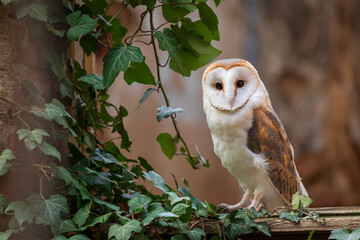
x=231, y=98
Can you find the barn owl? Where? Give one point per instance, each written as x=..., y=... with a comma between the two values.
x=248, y=136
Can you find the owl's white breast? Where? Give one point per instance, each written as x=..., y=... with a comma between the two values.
x=229, y=131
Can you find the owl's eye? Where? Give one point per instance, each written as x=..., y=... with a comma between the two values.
x=240, y=83
x=218, y=86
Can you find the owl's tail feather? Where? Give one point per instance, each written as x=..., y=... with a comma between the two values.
x=303, y=190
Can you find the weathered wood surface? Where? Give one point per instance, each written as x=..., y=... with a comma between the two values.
x=331, y=218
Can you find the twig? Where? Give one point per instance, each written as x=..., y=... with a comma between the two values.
x=141, y=42
x=167, y=61
x=142, y=16
x=118, y=13
x=194, y=224
x=164, y=93
x=163, y=4
x=40, y=188
x=108, y=7
x=12, y=102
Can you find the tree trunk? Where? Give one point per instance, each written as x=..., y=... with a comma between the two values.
x=24, y=48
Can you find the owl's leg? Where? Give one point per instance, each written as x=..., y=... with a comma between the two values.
x=256, y=202
x=244, y=201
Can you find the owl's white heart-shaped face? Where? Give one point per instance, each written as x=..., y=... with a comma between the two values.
x=229, y=84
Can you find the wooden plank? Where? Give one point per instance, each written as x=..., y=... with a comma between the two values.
x=330, y=218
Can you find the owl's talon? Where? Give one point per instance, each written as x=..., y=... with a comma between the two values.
x=260, y=207
x=223, y=207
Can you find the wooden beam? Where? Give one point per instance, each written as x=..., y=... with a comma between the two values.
x=331, y=218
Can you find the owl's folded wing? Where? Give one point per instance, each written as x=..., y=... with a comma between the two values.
x=267, y=136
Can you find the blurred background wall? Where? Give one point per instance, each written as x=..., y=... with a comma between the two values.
x=307, y=54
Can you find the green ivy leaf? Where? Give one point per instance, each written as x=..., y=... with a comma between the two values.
x=7, y=234
x=32, y=138
x=82, y=214
x=64, y=226
x=124, y=232
x=6, y=155
x=100, y=219
x=168, y=146
x=120, y=128
x=78, y=70
x=3, y=203
x=165, y=112
x=107, y=204
x=305, y=201
x=180, y=208
x=5, y=168
x=63, y=174
x=137, y=204
x=292, y=216
x=217, y=2
x=50, y=150
x=167, y=215
x=152, y=212
x=79, y=25
x=144, y=97
x=145, y=164
x=300, y=201
x=35, y=10
x=139, y=72
x=94, y=79
x=344, y=234
x=236, y=229
x=89, y=140
x=174, y=198
x=180, y=237
x=195, y=52
x=172, y=11
x=194, y=234
x=208, y=16
x=59, y=237
x=67, y=89
x=97, y=6
x=116, y=29
x=295, y=200
x=55, y=110
x=168, y=42
x=6, y=2
x=79, y=237
x=22, y=211
x=51, y=28
x=49, y=209
x=199, y=28
x=89, y=44
x=117, y=59
x=57, y=62
x=157, y=180
x=264, y=228
x=32, y=90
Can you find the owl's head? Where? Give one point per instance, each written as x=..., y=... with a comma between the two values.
x=229, y=84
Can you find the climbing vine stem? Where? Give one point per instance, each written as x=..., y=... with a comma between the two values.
x=192, y=162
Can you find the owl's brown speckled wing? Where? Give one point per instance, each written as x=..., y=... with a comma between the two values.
x=267, y=137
